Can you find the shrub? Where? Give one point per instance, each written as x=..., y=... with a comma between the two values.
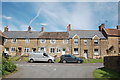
x=7, y=66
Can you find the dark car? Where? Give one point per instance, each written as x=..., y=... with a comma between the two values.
x=70, y=58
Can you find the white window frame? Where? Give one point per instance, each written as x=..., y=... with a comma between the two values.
x=26, y=51
x=58, y=50
x=13, y=48
x=44, y=49
x=51, y=41
x=52, y=50
x=85, y=42
x=65, y=41
x=75, y=41
x=27, y=40
x=42, y=40
x=96, y=53
x=96, y=41
x=13, y=40
x=76, y=52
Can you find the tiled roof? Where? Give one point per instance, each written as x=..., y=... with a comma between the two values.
x=54, y=35
x=112, y=32
x=22, y=34
x=86, y=33
x=1, y=34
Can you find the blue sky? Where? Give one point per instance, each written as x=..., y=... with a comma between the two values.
x=57, y=15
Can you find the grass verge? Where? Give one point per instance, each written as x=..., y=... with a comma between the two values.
x=92, y=60
x=105, y=73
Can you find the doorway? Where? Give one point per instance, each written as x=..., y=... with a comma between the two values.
x=86, y=54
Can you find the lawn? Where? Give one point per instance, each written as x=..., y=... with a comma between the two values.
x=92, y=60
x=18, y=59
x=105, y=73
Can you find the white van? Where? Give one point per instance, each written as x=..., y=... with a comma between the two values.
x=38, y=56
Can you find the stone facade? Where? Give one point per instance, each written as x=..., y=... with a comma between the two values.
x=81, y=43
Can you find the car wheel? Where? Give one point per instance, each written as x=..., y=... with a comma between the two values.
x=79, y=61
x=50, y=61
x=31, y=60
x=64, y=61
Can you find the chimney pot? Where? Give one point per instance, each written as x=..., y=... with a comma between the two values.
x=42, y=28
x=69, y=27
x=6, y=29
x=118, y=27
x=101, y=27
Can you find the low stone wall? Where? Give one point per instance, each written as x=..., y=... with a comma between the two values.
x=112, y=62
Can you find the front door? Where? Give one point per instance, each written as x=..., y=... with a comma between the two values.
x=86, y=54
x=63, y=51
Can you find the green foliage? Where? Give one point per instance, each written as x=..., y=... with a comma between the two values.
x=7, y=67
x=92, y=60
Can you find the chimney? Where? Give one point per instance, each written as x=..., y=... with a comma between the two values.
x=6, y=29
x=29, y=28
x=42, y=28
x=69, y=27
x=101, y=27
x=118, y=27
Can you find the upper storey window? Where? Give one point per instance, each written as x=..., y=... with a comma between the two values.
x=118, y=41
x=85, y=42
x=14, y=40
x=65, y=41
x=27, y=40
x=96, y=42
x=42, y=40
x=75, y=41
x=53, y=41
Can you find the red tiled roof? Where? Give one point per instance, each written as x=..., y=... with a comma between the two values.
x=112, y=32
x=54, y=35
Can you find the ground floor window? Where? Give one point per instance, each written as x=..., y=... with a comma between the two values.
x=52, y=50
x=42, y=49
x=26, y=49
x=58, y=50
x=96, y=52
x=75, y=50
x=6, y=50
x=13, y=49
x=119, y=50
x=34, y=49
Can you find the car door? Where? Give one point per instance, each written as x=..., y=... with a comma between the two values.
x=73, y=58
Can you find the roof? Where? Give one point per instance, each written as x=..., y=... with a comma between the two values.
x=1, y=34
x=86, y=33
x=22, y=34
x=112, y=32
x=54, y=35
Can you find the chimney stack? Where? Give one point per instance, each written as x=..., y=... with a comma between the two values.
x=69, y=27
x=6, y=29
x=42, y=28
x=118, y=27
x=29, y=28
x=101, y=27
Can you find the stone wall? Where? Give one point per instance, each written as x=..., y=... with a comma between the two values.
x=112, y=62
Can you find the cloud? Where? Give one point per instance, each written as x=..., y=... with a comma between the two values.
x=7, y=17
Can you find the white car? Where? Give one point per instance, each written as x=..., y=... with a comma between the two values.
x=38, y=56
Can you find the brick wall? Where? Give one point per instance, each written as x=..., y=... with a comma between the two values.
x=112, y=62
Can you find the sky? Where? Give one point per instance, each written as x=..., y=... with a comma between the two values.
x=55, y=16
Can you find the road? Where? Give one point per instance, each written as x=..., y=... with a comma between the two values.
x=55, y=70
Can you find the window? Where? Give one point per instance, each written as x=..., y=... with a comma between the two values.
x=75, y=41
x=65, y=41
x=75, y=50
x=42, y=40
x=52, y=50
x=42, y=49
x=27, y=40
x=52, y=41
x=95, y=42
x=67, y=56
x=85, y=42
x=58, y=50
x=96, y=52
x=118, y=41
x=13, y=49
x=14, y=40
x=26, y=49
x=5, y=40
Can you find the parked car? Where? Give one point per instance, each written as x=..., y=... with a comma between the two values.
x=70, y=58
x=38, y=56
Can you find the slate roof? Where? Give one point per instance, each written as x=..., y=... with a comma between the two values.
x=112, y=32
x=22, y=34
x=54, y=35
x=86, y=33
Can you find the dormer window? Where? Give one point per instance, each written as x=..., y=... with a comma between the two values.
x=14, y=40
x=53, y=41
x=27, y=40
x=96, y=42
x=76, y=41
x=42, y=40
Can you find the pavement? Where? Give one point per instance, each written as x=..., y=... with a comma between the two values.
x=54, y=70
